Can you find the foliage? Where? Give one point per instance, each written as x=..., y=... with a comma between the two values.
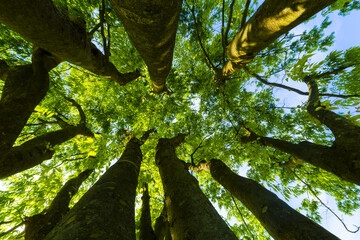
x=212, y=114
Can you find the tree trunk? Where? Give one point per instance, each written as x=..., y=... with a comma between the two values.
x=190, y=213
x=347, y=134
x=269, y=22
x=38, y=226
x=151, y=26
x=25, y=86
x=146, y=230
x=281, y=221
x=162, y=228
x=106, y=211
x=37, y=150
x=40, y=22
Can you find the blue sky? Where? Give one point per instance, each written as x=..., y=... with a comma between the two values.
x=347, y=34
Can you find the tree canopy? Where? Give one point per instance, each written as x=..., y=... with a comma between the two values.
x=125, y=103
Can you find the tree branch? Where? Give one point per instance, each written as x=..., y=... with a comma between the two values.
x=207, y=58
x=334, y=71
x=11, y=229
x=245, y=13
x=316, y=196
x=271, y=84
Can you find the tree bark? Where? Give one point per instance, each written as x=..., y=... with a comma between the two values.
x=37, y=150
x=162, y=228
x=40, y=22
x=281, y=221
x=151, y=26
x=146, y=230
x=106, y=211
x=190, y=213
x=342, y=162
x=25, y=86
x=269, y=22
x=347, y=134
x=38, y=226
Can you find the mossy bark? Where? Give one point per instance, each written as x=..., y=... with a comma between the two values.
x=106, y=211
x=38, y=226
x=40, y=22
x=269, y=22
x=281, y=221
x=151, y=26
x=189, y=212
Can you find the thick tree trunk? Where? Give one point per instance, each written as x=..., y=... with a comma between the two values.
x=162, y=228
x=269, y=22
x=40, y=22
x=25, y=86
x=146, y=230
x=151, y=26
x=106, y=211
x=38, y=226
x=190, y=213
x=281, y=221
x=37, y=150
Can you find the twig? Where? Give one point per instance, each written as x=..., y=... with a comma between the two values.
x=316, y=196
x=245, y=13
x=207, y=58
x=271, y=84
x=11, y=229
x=242, y=217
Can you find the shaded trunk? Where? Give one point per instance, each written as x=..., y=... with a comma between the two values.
x=347, y=134
x=190, y=213
x=269, y=22
x=40, y=22
x=162, y=228
x=25, y=86
x=37, y=150
x=106, y=211
x=146, y=230
x=151, y=26
x=281, y=221
x=335, y=159
x=38, y=226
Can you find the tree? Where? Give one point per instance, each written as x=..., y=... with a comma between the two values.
x=85, y=82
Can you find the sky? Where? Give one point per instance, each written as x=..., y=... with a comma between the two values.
x=347, y=34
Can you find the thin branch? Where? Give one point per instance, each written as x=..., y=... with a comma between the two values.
x=207, y=58
x=79, y=108
x=222, y=29
x=12, y=229
x=333, y=72
x=245, y=13
x=228, y=25
x=197, y=148
x=5, y=222
x=242, y=217
x=271, y=84
x=316, y=196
